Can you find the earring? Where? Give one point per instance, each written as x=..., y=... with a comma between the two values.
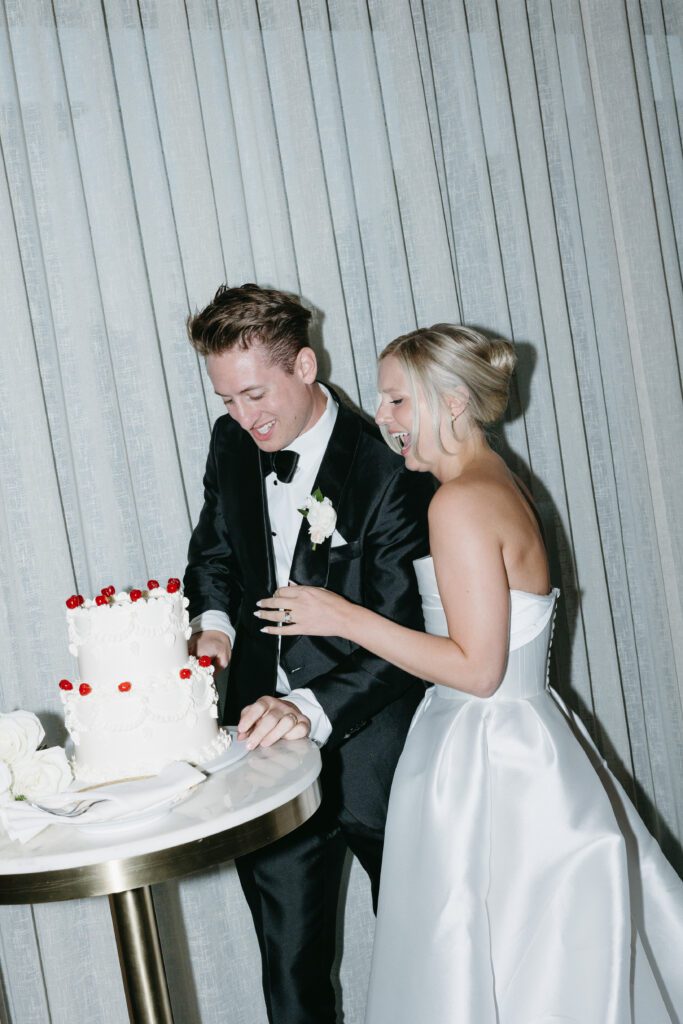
x=454, y=421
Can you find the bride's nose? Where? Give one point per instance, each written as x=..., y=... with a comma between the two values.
x=382, y=414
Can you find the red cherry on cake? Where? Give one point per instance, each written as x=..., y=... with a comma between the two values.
x=101, y=599
x=64, y=684
x=84, y=689
x=135, y=595
x=185, y=673
x=173, y=585
x=152, y=584
x=205, y=661
x=108, y=591
x=72, y=602
x=125, y=687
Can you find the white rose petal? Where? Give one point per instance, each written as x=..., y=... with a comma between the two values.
x=322, y=518
x=5, y=783
x=20, y=734
x=43, y=773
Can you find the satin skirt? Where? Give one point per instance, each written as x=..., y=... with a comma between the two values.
x=519, y=885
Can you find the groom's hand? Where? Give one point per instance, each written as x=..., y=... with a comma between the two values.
x=212, y=643
x=270, y=719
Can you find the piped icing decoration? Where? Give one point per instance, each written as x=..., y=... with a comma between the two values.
x=173, y=585
x=125, y=687
x=205, y=661
x=84, y=689
x=185, y=673
x=64, y=684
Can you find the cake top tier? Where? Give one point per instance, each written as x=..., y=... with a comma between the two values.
x=120, y=616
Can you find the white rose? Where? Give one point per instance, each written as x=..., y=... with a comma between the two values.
x=43, y=773
x=322, y=520
x=20, y=734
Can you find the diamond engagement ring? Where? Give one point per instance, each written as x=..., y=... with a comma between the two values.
x=287, y=619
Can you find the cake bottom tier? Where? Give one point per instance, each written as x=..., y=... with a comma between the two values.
x=138, y=726
x=102, y=757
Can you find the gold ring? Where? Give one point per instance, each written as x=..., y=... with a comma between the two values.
x=290, y=714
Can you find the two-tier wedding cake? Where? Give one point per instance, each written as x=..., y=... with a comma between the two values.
x=140, y=700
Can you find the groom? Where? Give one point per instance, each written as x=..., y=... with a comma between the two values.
x=285, y=436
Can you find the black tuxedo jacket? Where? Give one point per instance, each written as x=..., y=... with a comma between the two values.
x=381, y=513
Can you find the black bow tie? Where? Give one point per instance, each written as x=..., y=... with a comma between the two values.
x=283, y=464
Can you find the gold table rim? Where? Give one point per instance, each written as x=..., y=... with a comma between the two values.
x=118, y=875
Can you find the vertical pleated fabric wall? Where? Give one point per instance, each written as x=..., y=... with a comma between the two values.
x=514, y=165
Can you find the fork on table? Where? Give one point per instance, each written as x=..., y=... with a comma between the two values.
x=72, y=811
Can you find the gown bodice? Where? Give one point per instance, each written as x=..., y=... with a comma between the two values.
x=531, y=627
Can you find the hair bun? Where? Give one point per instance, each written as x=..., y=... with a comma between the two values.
x=502, y=355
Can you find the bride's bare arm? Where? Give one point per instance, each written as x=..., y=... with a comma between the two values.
x=473, y=585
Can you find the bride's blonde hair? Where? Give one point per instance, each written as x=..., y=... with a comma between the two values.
x=437, y=360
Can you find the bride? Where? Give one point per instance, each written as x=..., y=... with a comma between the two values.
x=518, y=884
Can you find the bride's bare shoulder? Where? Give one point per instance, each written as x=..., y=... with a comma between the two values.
x=471, y=498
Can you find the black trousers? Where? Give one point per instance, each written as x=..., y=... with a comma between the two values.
x=292, y=888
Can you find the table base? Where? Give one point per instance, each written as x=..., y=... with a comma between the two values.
x=142, y=965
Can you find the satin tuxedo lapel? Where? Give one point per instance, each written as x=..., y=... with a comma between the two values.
x=249, y=510
x=311, y=567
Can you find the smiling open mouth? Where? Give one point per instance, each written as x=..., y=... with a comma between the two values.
x=403, y=437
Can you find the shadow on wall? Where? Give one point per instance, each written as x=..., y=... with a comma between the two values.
x=176, y=950
x=315, y=334
x=563, y=575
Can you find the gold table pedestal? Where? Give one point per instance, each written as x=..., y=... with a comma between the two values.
x=142, y=965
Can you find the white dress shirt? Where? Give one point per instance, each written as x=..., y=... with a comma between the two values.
x=284, y=501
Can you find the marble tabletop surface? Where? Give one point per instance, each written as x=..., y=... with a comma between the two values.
x=260, y=782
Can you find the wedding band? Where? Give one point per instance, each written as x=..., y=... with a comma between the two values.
x=287, y=619
x=290, y=714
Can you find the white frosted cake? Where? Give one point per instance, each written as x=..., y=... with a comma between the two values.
x=140, y=700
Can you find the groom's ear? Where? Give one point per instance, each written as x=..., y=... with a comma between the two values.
x=306, y=365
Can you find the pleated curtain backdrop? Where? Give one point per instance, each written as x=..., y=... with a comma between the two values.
x=515, y=165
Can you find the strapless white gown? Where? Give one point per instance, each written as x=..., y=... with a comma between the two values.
x=519, y=886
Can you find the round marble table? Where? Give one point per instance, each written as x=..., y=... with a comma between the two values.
x=241, y=808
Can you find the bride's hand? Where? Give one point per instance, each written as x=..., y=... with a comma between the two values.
x=305, y=611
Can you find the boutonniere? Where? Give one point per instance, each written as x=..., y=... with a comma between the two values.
x=321, y=516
